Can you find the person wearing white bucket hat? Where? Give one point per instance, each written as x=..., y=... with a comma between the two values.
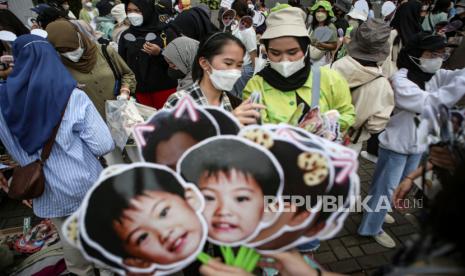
x=388, y=10
x=122, y=24
x=286, y=81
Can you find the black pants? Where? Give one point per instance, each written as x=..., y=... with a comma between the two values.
x=373, y=144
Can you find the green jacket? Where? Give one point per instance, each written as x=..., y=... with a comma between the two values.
x=280, y=106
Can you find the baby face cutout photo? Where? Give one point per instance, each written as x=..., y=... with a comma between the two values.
x=169, y=133
x=142, y=219
x=234, y=175
x=298, y=226
x=308, y=174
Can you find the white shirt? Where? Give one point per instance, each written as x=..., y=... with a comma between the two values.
x=226, y=3
x=402, y=135
x=249, y=39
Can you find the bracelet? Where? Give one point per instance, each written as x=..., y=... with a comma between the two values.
x=409, y=178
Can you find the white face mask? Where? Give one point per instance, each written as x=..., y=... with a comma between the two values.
x=321, y=16
x=89, y=5
x=251, y=6
x=224, y=79
x=75, y=55
x=288, y=68
x=65, y=7
x=428, y=65
x=135, y=19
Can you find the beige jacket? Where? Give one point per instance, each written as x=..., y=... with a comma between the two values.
x=99, y=83
x=372, y=94
x=390, y=65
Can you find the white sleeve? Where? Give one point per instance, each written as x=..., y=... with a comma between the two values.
x=448, y=90
x=250, y=40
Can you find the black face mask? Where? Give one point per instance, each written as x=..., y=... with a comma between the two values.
x=175, y=74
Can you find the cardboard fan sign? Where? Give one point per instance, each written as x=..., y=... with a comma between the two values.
x=140, y=218
x=315, y=170
x=165, y=136
x=155, y=218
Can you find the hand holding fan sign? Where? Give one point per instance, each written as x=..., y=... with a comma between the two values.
x=142, y=218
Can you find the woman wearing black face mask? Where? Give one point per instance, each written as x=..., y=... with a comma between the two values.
x=419, y=83
x=180, y=55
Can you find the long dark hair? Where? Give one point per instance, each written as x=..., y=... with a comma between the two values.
x=210, y=48
x=242, y=8
x=441, y=6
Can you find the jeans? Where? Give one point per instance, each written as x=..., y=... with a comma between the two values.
x=309, y=246
x=247, y=74
x=391, y=168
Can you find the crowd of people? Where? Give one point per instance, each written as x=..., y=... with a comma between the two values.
x=376, y=71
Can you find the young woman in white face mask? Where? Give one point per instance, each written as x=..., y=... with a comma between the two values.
x=287, y=79
x=419, y=83
x=85, y=61
x=217, y=66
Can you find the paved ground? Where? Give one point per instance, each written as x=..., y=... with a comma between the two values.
x=346, y=253
x=352, y=254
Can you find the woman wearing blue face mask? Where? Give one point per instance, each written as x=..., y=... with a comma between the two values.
x=287, y=80
x=418, y=83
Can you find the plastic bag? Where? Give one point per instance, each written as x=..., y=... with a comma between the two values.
x=122, y=116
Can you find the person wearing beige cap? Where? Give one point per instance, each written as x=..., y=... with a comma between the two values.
x=287, y=79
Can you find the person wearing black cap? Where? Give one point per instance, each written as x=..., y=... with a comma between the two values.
x=418, y=83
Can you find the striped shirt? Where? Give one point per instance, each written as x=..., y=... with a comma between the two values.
x=197, y=95
x=72, y=167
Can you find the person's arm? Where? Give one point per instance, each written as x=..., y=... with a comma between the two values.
x=128, y=79
x=91, y=127
x=292, y=263
x=251, y=45
x=341, y=100
x=255, y=84
x=253, y=55
x=445, y=89
x=329, y=46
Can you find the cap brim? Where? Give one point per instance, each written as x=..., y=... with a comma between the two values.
x=354, y=50
x=287, y=30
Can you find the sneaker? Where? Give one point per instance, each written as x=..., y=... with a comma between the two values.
x=389, y=219
x=368, y=156
x=385, y=240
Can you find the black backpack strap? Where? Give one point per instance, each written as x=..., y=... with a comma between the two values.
x=113, y=68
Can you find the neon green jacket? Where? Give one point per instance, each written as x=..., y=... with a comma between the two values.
x=280, y=106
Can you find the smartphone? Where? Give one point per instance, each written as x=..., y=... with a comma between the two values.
x=256, y=97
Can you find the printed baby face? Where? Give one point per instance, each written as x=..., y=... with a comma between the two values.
x=159, y=227
x=234, y=205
